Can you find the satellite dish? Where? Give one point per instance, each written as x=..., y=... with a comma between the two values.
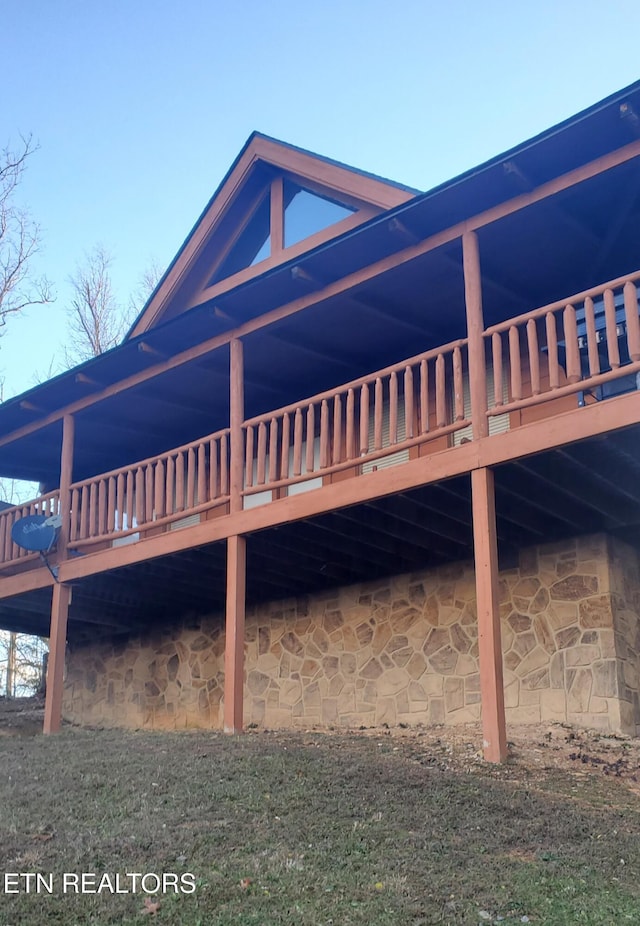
x=37, y=532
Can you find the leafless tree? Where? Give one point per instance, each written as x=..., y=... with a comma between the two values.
x=97, y=321
x=19, y=238
x=147, y=282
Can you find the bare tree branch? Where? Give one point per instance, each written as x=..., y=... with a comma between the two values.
x=19, y=239
x=97, y=321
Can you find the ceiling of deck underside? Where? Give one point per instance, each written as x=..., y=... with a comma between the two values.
x=583, y=488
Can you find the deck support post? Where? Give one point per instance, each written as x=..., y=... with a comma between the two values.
x=236, y=418
x=487, y=598
x=55, y=664
x=475, y=330
x=61, y=598
x=234, y=640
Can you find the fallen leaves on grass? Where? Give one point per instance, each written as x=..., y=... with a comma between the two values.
x=151, y=907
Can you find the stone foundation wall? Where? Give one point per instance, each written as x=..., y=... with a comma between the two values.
x=625, y=597
x=401, y=650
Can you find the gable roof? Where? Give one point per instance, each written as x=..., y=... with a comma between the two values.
x=233, y=203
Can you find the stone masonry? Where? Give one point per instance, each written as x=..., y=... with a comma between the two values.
x=399, y=650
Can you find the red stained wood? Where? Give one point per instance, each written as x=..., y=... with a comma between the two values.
x=234, y=636
x=612, y=329
x=632, y=321
x=488, y=605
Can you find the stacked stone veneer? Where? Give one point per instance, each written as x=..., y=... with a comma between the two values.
x=403, y=649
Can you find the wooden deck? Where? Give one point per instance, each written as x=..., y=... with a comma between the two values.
x=544, y=378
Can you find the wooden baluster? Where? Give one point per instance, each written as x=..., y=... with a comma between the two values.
x=350, y=450
x=202, y=474
x=180, y=488
x=93, y=509
x=324, y=435
x=297, y=443
x=515, y=363
x=148, y=492
x=139, y=496
x=224, y=464
x=571, y=344
x=552, y=350
x=213, y=470
x=262, y=454
x=364, y=418
x=73, y=527
x=378, y=415
x=248, y=456
x=111, y=505
x=409, y=412
x=337, y=428
x=534, y=356
x=458, y=385
x=286, y=443
x=84, y=513
x=169, y=485
x=424, y=397
x=311, y=436
x=120, y=494
x=496, y=360
x=441, y=393
x=612, y=329
x=191, y=477
x=160, y=490
x=130, y=499
x=273, y=450
x=592, y=337
x=102, y=507
x=393, y=408
x=633, y=323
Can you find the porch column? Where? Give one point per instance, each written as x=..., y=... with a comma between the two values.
x=489, y=637
x=234, y=642
x=475, y=329
x=61, y=593
x=236, y=417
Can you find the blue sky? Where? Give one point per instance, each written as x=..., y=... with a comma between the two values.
x=139, y=107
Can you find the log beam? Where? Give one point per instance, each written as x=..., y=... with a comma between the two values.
x=489, y=637
x=234, y=644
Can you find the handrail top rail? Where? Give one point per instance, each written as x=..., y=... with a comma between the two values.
x=155, y=459
x=366, y=379
x=561, y=303
x=32, y=501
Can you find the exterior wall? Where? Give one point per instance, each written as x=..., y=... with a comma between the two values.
x=401, y=650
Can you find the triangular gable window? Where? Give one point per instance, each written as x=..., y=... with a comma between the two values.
x=306, y=213
x=253, y=245
x=302, y=213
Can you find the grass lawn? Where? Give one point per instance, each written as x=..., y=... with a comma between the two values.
x=316, y=829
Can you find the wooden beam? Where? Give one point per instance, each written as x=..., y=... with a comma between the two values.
x=84, y=380
x=55, y=666
x=236, y=417
x=489, y=638
x=475, y=329
x=153, y=352
x=276, y=229
x=234, y=640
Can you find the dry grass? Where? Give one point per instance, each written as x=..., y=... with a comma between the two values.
x=392, y=827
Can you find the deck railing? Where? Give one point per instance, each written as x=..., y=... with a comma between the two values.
x=9, y=551
x=361, y=422
x=574, y=345
x=154, y=492
x=585, y=344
